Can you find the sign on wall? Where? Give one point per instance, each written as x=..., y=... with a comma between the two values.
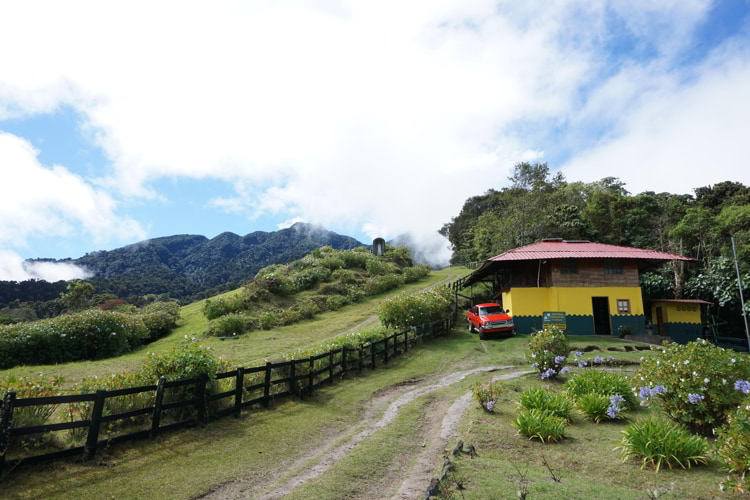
x=554, y=318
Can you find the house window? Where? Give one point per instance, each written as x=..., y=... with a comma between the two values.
x=623, y=306
x=569, y=266
x=612, y=266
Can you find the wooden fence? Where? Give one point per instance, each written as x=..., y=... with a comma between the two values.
x=185, y=403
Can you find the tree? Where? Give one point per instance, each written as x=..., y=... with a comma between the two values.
x=77, y=294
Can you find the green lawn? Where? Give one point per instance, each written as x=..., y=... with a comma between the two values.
x=251, y=346
x=186, y=464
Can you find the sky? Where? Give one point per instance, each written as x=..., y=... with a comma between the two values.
x=126, y=121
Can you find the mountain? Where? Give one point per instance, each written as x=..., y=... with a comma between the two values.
x=189, y=266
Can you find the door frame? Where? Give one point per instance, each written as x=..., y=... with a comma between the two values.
x=594, y=315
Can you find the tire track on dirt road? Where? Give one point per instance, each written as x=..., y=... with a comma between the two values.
x=325, y=457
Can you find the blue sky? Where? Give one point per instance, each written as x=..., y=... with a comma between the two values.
x=370, y=118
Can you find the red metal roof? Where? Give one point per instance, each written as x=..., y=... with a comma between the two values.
x=581, y=250
x=688, y=301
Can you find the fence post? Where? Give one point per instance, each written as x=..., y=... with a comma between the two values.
x=343, y=362
x=406, y=340
x=361, y=359
x=293, y=378
x=201, y=404
x=239, y=386
x=385, y=352
x=311, y=377
x=6, y=417
x=330, y=367
x=156, y=416
x=372, y=354
x=96, y=420
x=267, y=386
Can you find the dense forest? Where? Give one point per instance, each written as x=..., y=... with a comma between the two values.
x=540, y=205
x=184, y=267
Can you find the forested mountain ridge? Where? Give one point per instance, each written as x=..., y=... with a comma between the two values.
x=538, y=205
x=191, y=266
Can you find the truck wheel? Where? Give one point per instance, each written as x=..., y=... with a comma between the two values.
x=482, y=336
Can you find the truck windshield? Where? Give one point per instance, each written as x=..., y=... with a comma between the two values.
x=484, y=311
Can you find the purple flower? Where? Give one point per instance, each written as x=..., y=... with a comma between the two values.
x=598, y=360
x=742, y=385
x=616, y=400
x=565, y=370
x=547, y=374
x=535, y=365
x=610, y=358
x=694, y=399
x=579, y=354
x=645, y=393
x=489, y=405
x=559, y=359
x=612, y=412
x=581, y=364
x=659, y=389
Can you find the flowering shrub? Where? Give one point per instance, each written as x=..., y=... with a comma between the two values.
x=213, y=308
x=604, y=383
x=92, y=334
x=733, y=447
x=415, y=273
x=555, y=403
x=598, y=407
x=488, y=394
x=656, y=443
x=228, y=325
x=538, y=424
x=547, y=352
x=159, y=318
x=405, y=311
x=26, y=416
x=698, y=381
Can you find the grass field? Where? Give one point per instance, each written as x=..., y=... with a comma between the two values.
x=264, y=447
x=252, y=346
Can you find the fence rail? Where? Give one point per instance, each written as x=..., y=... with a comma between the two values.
x=197, y=400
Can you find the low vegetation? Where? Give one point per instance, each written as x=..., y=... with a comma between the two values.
x=324, y=280
x=86, y=335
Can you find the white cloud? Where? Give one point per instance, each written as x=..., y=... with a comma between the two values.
x=14, y=268
x=51, y=201
x=384, y=115
x=674, y=136
x=289, y=222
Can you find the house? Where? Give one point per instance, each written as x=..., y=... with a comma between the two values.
x=679, y=319
x=595, y=285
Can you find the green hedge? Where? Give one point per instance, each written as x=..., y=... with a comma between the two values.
x=91, y=334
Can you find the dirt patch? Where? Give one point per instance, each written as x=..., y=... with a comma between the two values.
x=417, y=479
x=325, y=456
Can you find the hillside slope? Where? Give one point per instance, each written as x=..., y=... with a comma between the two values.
x=189, y=266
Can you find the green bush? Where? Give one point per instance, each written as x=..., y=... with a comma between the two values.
x=381, y=284
x=345, y=276
x=213, y=308
x=398, y=255
x=538, y=424
x=733, y=448
x=404, y=311
x=87, y=335
x=377, y=267
x=27, y=416
x=656, y=443
x=159, y=318
x=698, y=379
x=600, y=382
x=487, y=395
x=548, y=350
x=554, y=403
x=598, y=407
x=355, y=259
x=228, y=325
x=185, y=361
x=268, y=320
x=416, y=273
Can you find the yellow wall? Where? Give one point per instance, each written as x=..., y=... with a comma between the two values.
x=570, y=300
x=675, y=312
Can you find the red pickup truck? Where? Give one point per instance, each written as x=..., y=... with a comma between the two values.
x=490, y=318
